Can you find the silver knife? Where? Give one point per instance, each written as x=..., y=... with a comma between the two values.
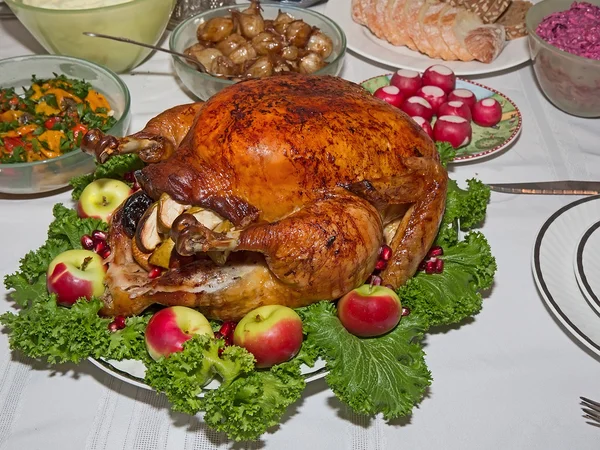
x=549, y=187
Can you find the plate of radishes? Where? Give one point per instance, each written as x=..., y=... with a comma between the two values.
x=476, y=120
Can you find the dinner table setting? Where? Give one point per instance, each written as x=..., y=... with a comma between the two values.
x=518, y=367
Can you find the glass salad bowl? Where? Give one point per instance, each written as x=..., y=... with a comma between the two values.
x=51, y=174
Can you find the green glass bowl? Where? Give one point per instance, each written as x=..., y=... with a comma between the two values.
x=569, y=81
x=55, y=173
x=205, y=86
x=60, y=31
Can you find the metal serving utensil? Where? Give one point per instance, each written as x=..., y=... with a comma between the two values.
x=191, y=60
x=549, y=188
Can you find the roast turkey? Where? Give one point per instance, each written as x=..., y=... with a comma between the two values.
x=282, y=191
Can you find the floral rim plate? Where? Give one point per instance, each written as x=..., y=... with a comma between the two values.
x=486, y=140
x=133, y=371
x=554, y=274
x=587, y=265
x=365, y=43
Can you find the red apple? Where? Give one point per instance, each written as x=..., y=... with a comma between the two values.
x=440, y=76
x=417, y=107
x=272, y=333
x=170, y=327
x=463, y=95
x=369, y=310
x=390, y=94
x=434, y=95
x=453, y=129
x=424, y=124
x=76, y=274
x=101, y=198
x=455, y=108
x=408, y=81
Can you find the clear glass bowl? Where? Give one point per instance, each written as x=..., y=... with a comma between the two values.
x=205, y=86
x=51, y=174
x=569, y=81
x=59, y=31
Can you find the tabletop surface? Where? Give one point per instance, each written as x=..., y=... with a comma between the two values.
x=509, y=379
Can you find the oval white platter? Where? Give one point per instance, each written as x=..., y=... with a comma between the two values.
x=133, y=371
x=554, y=273
x=362, y=41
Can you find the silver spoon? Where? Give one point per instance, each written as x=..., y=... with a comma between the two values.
x=193, y=61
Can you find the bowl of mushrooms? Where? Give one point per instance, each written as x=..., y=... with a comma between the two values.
x=255, y=40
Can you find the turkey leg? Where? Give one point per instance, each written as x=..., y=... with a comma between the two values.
x=329, y=246
x=156, y=142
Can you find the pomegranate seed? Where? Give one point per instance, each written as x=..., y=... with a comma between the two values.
x=218, y=335
x=87, y=242
x=435, y=251
x=105, y=253
x=430, y=267
x=98, y=236
x=129, y=177
x=112, y=327
x=405, y=311
x=155, y=272
x=227, y=328
x=385, y=252
x=439, y=266
x=120, y=322
x=380, y=264
x=423, y=265
x=374, y=280
x=221, y=351
x=229, y=340
x=100, y=246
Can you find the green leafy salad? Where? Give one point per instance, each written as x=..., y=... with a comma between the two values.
x=385, y=374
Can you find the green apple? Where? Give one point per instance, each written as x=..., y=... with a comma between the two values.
x=170, y=327
x=101, y=198
x=76, y=274
x=272, y=333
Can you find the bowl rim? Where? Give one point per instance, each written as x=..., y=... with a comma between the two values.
x=177, y=30
x=532, y=32
x=107, y=71
x=19, y=4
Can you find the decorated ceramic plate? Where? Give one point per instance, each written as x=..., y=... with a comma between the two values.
x=365, y=43
x=133, y=371
x=486, y=140
x=587, y=265
x=554, y=274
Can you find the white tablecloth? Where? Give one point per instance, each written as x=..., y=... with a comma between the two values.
x=510, y=379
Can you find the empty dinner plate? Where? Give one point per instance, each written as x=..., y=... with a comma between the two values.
x=552, y=264
x=587, y=265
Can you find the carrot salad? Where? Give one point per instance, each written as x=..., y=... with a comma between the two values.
x=49, y=118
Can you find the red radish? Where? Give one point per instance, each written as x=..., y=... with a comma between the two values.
x=440, y=76
x=487, y=112
x=417, y=106
x=424, y=124
x=390, y=94
x=408, y=81
x=455, y=108
x=434, y=95
x=463, y=95
x=453, y=129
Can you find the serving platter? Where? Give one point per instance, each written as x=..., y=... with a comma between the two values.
x=486, y=140
x=587, y=265
x=133, y=371
x=365, y=43
x=554, y=273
